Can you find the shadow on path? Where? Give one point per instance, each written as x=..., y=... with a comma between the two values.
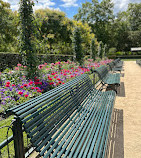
x=121, y=90
x=116, y=136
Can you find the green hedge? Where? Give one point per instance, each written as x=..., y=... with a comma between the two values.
x=12, y=59
x=124, y=56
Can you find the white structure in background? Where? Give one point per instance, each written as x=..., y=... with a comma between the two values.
x=136, y=49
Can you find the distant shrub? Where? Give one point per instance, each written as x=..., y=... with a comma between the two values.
x=119, y=53
x=112, y=51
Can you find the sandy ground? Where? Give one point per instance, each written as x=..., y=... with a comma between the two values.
x=126, y=131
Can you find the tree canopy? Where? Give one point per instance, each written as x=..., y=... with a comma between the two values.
x=53, y=31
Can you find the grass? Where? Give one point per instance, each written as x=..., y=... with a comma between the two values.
x=130, y=59
x=3, y=134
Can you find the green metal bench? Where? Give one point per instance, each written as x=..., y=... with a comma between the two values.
x=72, y=120
x=113, y=68
x=138, y=62
x=111, y=79
x=118, y=63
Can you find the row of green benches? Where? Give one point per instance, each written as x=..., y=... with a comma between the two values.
x=72, y=120
x=138, y=62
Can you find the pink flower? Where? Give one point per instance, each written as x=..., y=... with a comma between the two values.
x=53, y=74
x=30, y=83
x=40, y=67
x=51, y=83
x=21, y=87
x=13, y=85
x=8, y=83
x=25, y=85
x=26, y=95
x=32, y=88
x=16, y=68
x=39, y=91
x=19, y=65
x=36, y=83
x=37, y=88
x=58, y=79
x=50, y=78
x=20, y=92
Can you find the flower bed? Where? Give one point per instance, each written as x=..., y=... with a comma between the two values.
x=16, y=89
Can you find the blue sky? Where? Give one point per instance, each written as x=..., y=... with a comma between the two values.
x=70, y=7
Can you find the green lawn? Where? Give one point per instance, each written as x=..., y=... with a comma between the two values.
x=3, y=134
x=130, y=59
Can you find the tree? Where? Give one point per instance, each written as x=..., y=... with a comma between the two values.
x=100, y=50
x=55, y=30
x=134, y=18
x=8, y=28
x=28, y=50
x=134, y=14
x=99, y=16
x=105, y=50
x=93, y=49
x=77, y=47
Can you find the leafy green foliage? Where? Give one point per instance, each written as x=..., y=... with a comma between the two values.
x=112, y=51
x=93, y=49
x=100, y=50
x=8, y=28
x=28, y=50
x=77, y=48
x=99, y=16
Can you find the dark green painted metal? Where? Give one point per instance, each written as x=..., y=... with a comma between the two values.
x=106, y=77
x=114, y=66
x=18, y=138
x=68, y=121
x=5, y=142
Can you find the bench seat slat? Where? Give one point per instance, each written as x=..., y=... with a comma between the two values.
x=75, y=101
x=77, y=114
x=84, y=133
x=81, y=126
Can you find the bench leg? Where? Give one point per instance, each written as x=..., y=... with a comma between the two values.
x=18, y=139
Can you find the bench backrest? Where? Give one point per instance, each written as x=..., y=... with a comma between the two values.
x=111, y=65
x=43, y=115
x=102, y=71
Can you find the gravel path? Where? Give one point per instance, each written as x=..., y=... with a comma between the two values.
x=126, y=131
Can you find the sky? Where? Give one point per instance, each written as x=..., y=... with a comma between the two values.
x=70, y=7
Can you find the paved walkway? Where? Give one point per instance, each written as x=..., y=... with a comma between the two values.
x=126, y=131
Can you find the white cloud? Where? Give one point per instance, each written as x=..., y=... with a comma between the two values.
x=122, y=5
x=14, y=4
x=69, y=3
x=41, y=4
